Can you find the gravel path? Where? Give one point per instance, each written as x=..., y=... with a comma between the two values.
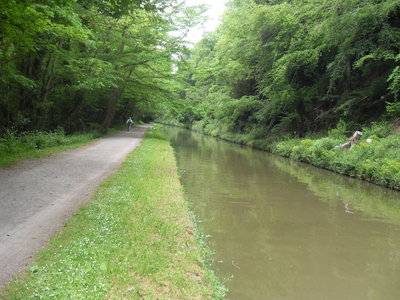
x=38, y=195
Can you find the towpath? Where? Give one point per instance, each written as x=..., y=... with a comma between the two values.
x=38, y=195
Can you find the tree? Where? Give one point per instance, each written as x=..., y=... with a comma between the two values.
x=308, y=63
x=75, y=63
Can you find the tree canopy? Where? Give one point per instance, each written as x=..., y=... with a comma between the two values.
x=297, y=66
x=82, y=64
x=271, y=67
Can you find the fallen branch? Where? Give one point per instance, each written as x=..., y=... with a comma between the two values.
x=354, y=140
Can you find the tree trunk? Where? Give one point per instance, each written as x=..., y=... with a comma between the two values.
x=47, y=80
x=73, y=115
x=112, y=104
x=115, y=93
x=111, y=108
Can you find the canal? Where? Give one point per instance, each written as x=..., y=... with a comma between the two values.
x=286, y=230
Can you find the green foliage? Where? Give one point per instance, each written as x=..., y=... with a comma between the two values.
x=73, y=64
x=340, y=130
x=393, y=108
x=8, y=141
x=307, y=65
x=378, y=129
x=394, y=80
x=15, y=146
x=378, y=161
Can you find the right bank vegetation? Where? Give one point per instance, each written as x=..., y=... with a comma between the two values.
x=298, y=78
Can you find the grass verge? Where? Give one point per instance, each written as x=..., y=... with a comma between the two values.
x=135, y=240
x=41, y=144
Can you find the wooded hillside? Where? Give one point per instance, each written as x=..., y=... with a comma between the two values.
x=271, y=68
x=278, y=67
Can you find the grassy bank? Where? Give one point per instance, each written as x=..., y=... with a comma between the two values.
x=15, y=147
x=135, y=240
x=377, y=162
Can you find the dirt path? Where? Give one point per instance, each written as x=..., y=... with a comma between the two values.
x=38, y=195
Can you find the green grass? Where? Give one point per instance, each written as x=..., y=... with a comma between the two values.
x=377, y=162
x=14, y=148
x=135, y=240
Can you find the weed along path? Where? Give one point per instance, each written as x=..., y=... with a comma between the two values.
x=38, y=195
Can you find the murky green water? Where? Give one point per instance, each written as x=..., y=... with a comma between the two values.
x=285, y=230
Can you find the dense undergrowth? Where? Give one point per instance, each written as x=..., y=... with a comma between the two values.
x=377, y=162
x=135, y=240
x=14, y=146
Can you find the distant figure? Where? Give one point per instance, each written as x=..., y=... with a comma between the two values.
x=129, y=123
x=354, y=140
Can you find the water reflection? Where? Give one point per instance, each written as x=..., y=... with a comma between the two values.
x=354, y=195
x=284, y=230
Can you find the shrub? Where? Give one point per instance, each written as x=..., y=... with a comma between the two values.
x=339, y=131
x=379, y=129
x=378, y=161
x=8, y=142
x=389, y=173
x=393, y=109
x=12, y=145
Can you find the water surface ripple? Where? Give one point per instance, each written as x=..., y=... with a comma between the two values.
x=285, y=230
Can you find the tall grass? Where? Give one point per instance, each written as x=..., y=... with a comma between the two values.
x=14, y=147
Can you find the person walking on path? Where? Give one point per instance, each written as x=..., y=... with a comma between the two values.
x=38, y=195
x=129, y=123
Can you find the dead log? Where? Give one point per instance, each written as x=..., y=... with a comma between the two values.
x=354, y=140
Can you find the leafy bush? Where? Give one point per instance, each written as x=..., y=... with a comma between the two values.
x=43, y=139
x=339, y=131
x=13, y=147
x=393, y=109
x=8, y=142
x=379, y=129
